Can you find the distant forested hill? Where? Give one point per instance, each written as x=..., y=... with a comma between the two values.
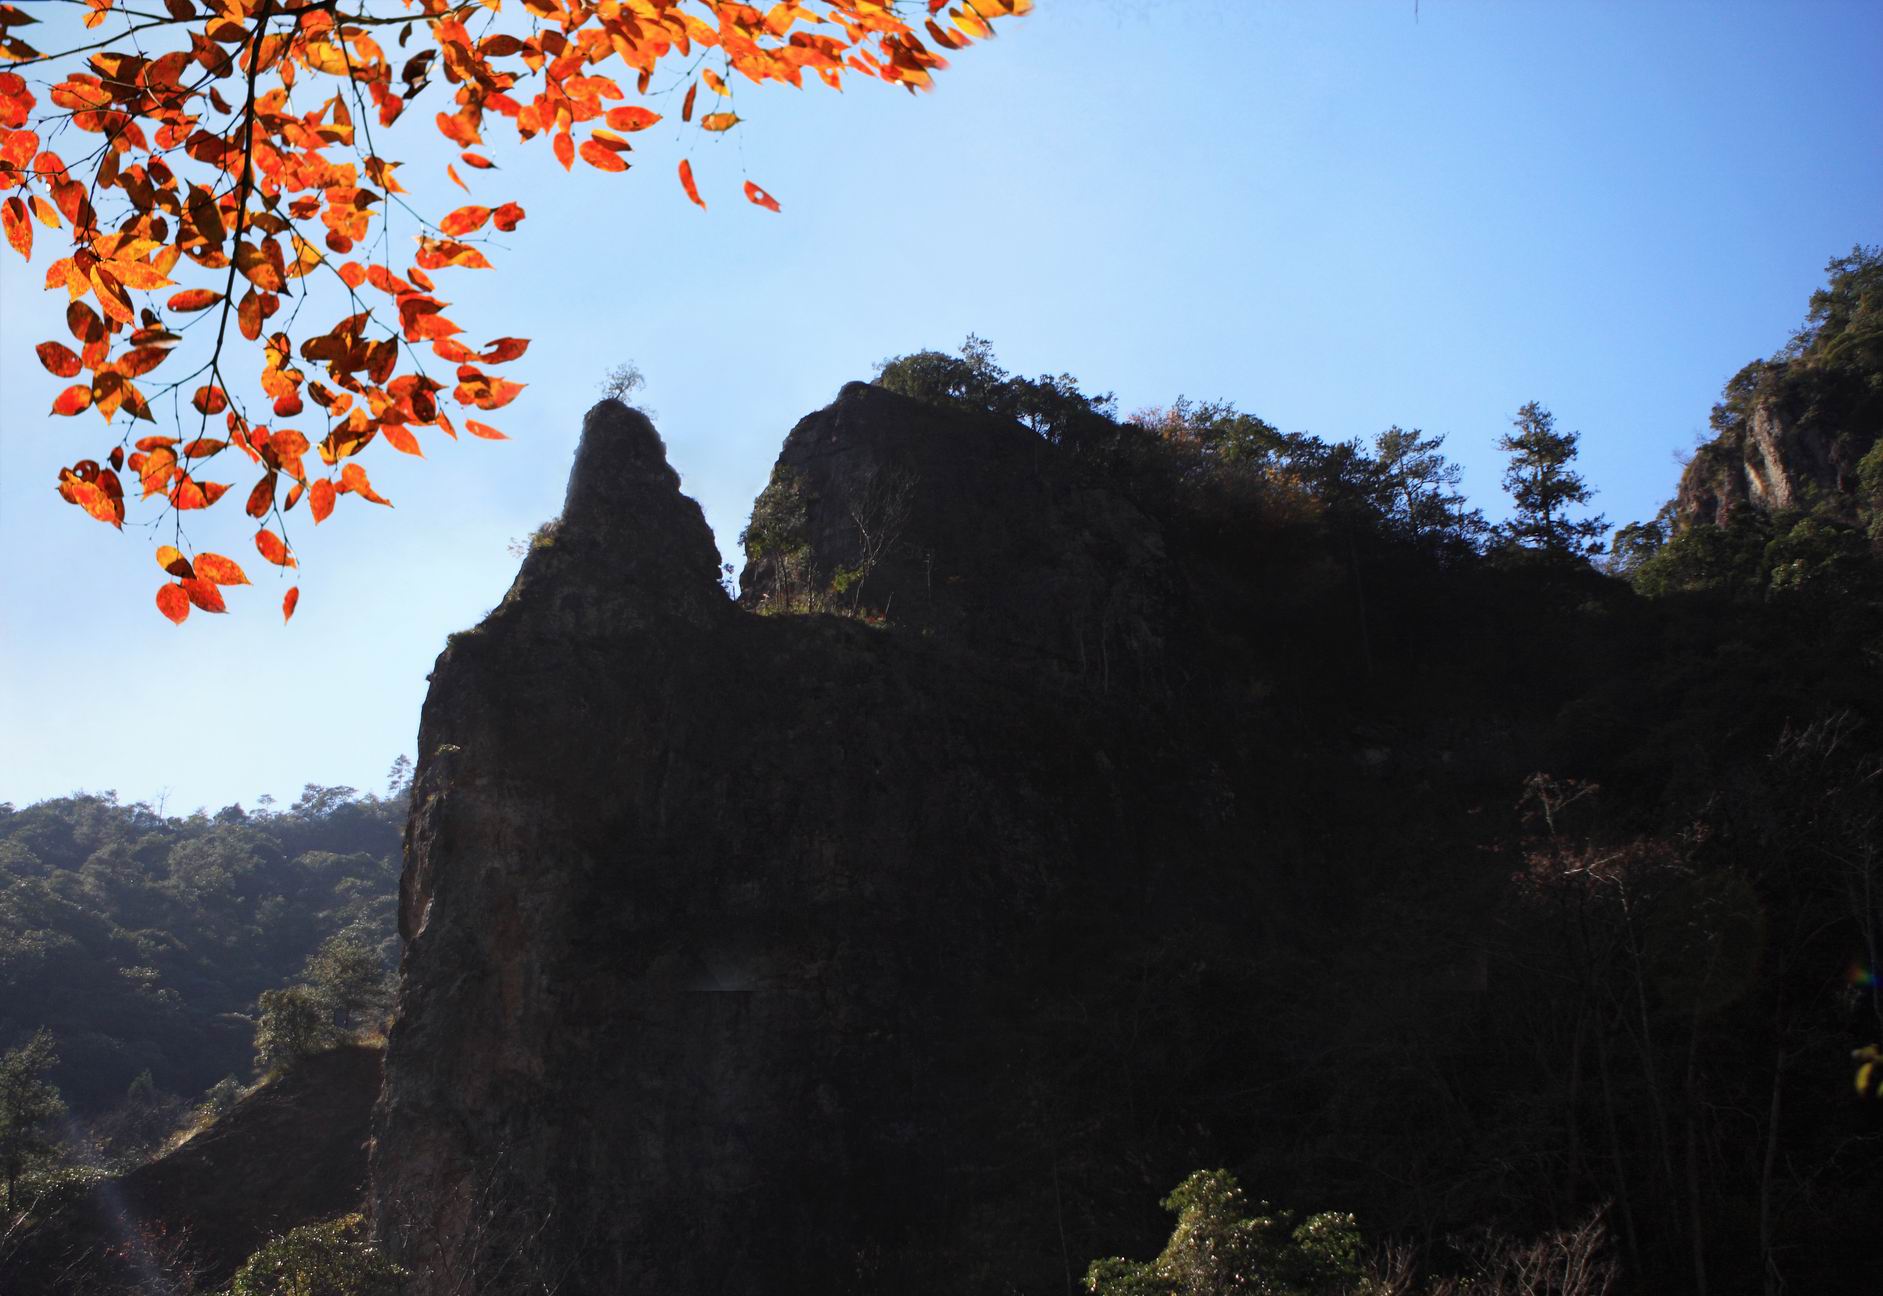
x=142, y=941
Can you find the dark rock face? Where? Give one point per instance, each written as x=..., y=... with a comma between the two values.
x=972, y=528
x=754, y=954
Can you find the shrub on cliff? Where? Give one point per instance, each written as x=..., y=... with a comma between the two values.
x=293, y=1024
x=1052, y=404
x=1222, y=1247
x=336, y=1258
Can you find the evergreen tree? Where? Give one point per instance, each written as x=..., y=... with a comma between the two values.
x=28, y=1106
x=292, y=1024
x=349, y=978
x=1420, y=486
x=1543, y=486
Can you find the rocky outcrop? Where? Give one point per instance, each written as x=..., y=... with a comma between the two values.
x=1785, y=452
x=753, y=954
x=972, y=528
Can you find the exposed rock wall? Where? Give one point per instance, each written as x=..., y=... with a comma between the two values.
x=755, y=954
x=1776, y=459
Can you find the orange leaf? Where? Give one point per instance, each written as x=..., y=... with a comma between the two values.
x=401, y=439
x=453, y=173
x=191, y=494
x=203, y=594
x=506, y=217
x=719, y=121
x=73, y=400
x=504, y=350
x=193, y=299
x=477, y=160
x=60, y=360
x=686, y=106
x=171, y=559
x=248, y=316
x=353, y=478
x=289, y=602
x=464, y=220
x=686, y=182
x=19, y=226
x=565, y=151
x=209, y=400
x=84, y=485
x=435, y=254
x=320, y=499
x=602, y=159
x=484, y=430
x=458, y=129
x=631, y=119
x=223, y=571
x=486, y=392
x=173, y=603
x=273, y=549
x=759, y=196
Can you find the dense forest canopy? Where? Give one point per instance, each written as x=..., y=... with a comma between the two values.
x=143, y=940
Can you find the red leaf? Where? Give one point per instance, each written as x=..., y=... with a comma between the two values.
x=173, y=603
x=203, y=594
x=759, y=196
x=686, y=106
x=193, y=299
x=686, y=183
x=73, y=400
x=273, y=549
x=60, y=360
x=262, y=498
x=289, y=602
x=223, y=571
x=565, y=151
x=506, y=217
x=504, y=350
x=320, y=499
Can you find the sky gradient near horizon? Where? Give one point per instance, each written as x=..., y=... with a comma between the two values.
x=1339, y=216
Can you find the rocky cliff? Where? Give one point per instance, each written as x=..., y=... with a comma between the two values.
x=756, y=953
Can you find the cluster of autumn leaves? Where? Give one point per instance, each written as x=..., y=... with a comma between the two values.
x=247, y=161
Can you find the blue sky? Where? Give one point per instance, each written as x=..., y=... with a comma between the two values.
x=1338, y=215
